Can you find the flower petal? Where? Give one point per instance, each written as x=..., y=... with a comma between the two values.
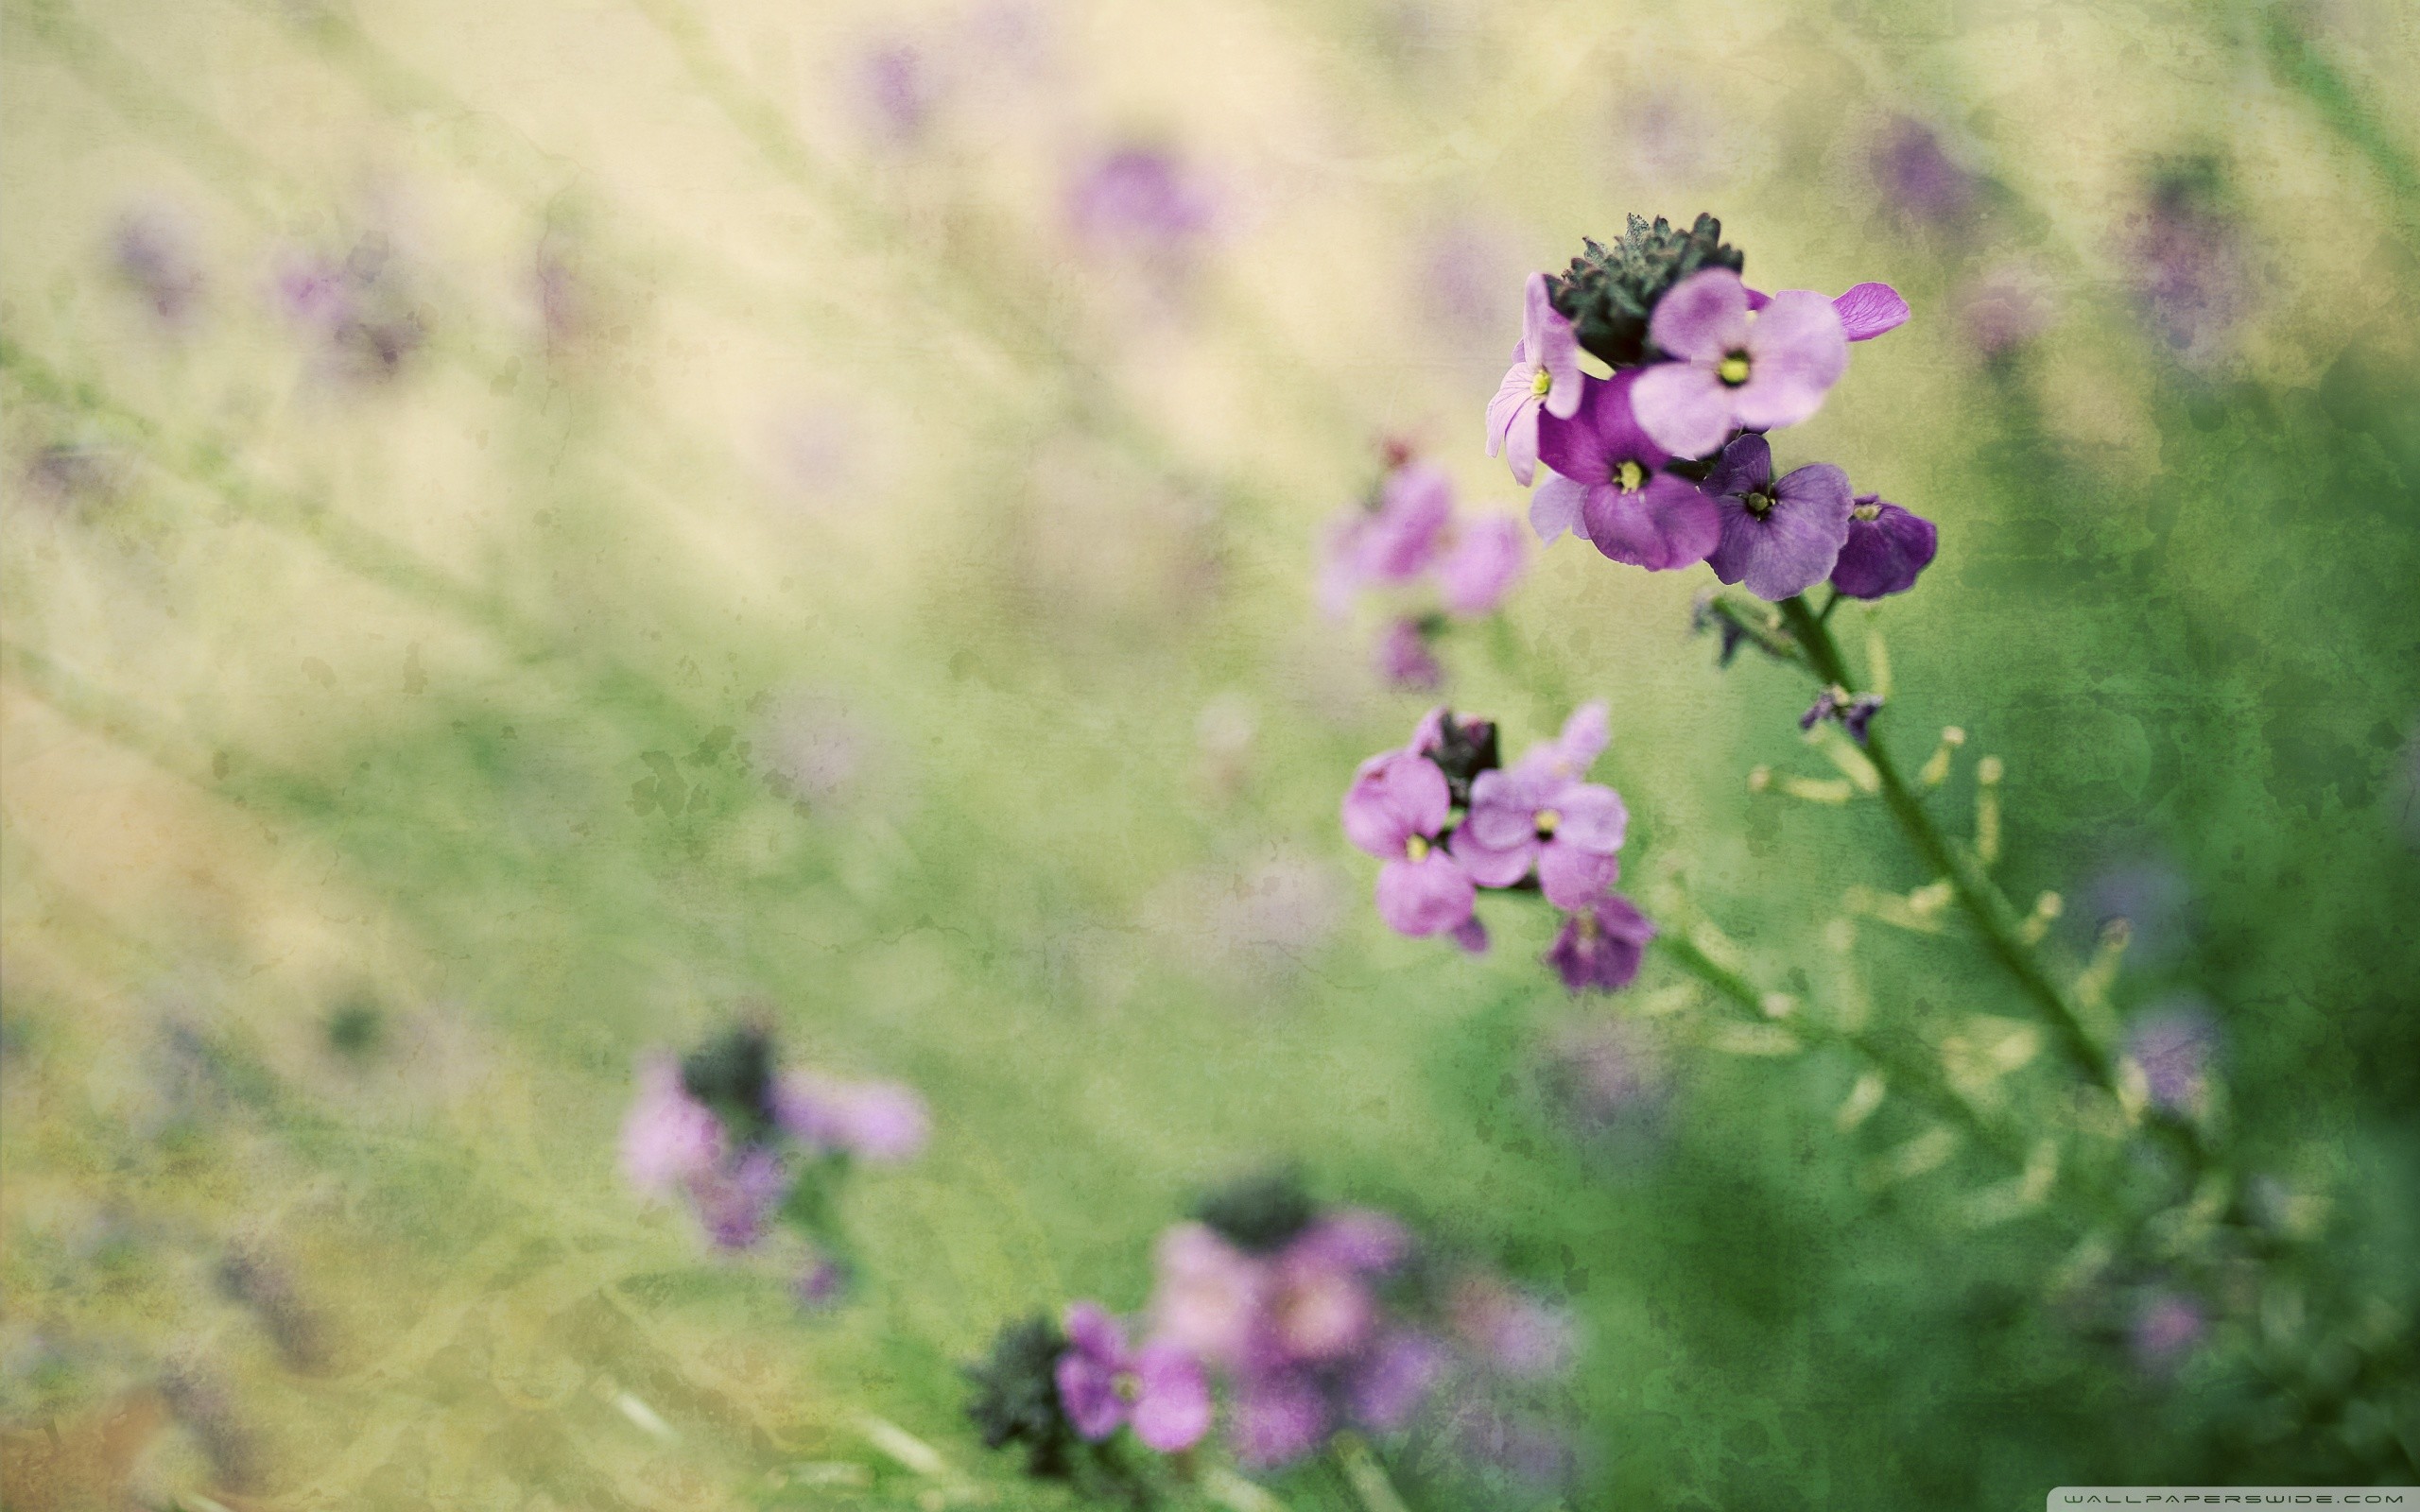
x=1424, y=897
x=1555, y=507
x=1488, y=867
x=1665, y=525
x=1573, y=878
x=1584, y=737
x=1885, y=553
x=1574, y=445
x=1796, y=353
x=1747, y=465
x=1870, y=309
x=1172, y=1398
x=1088, y=1394
x=1593, y=818
x=1683, y=407
x=1702, y=317
x=1519, y=388
x=1394, y=796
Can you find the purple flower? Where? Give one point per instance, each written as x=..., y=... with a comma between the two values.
x=1514, y=1332
x=1919, y=177
x=1209, y=1294
x=1600, y=945
x=2166, y=1329
x=669, y=1136
x=822, y=1282
x=1537, y=810
x=1530, y=815
x=1321, y=1307
x=1139, y=198
x=1403, y=658
x=1886, y=547
x=1104, y=1384
x=1279, y=1416
x=1781, y=540
x=735, y=1201
x=1608, y=485
x=1479, y=563
x=2173, y=1044
x=1853, y=714
x=1392, y=542
x=1545, y=376
x=1392, y=1379
x=1736, y=368
x=1398, y=804
x=898, y=91
x=878, y=1121
x=152, y=253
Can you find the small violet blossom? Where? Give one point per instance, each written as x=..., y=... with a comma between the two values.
x=1396, y=807
x=1104, y=1384
x=1600, y=945
x=1886, y=547
x=669, y=1136
x=1545, y=376
x=1403, y=658
x=1853, y=713
x=1537, y=813
x=1780, y=540
x=1738, y=366
x=1866, y=311
x=1607, y=484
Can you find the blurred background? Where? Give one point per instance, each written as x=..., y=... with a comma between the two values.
x=534, y=529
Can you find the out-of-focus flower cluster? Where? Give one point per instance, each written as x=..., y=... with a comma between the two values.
x=1447, y=819
x=1663, y=463
x=1432, y=564
x=743, y=1145
x=1309, y=1320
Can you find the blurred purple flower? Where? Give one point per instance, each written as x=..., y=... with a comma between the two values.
x=1886, y=547
x=1278, y=1417
x=1543, y=378
x=358, y=307
x=1604, y=1073
x=897, y=89
x=736, y=1200
x=1393, y=541
x=1735, y=367
x=669, y=1137
x=1394, y=810
x=2003, y=308
x=2175, y=1043
x=1781, y=540
x=1607, y=485
x=2168, y=1327
x=2189, y=266
x=1139, y=200
x=879, y=1122
x=822, y=1282
x=1918, y=177
x=2152, y=897
x=1512, y=1331
x=1392, y=1379
x=1209, y=1294
x=1601, y=946
x=1104, y=1384
x=1481, y=562
x=1403, y=658
x=150, y=250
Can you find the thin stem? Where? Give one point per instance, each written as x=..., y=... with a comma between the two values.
x=1363, y=1472
x=1991, y=911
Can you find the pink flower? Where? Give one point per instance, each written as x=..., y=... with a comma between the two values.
x=1545, y=375
x=669, y=1136
x=1104, y=1384
x=1395, y=809
x=1737, y=366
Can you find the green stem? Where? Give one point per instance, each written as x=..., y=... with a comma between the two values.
x=1983, y=902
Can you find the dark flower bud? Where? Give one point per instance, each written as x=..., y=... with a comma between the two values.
x=1016, y=1396
x=1261, y=1212
x=1609, y=291
x=732, y=1074
x=1461, y=749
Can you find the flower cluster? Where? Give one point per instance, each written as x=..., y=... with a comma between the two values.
x=1447, y=819
x=1313, y=1319
x=1663, y=463
x=1408, y=538
x=744, y=1144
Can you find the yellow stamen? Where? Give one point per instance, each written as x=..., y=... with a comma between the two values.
x=1415, y=849
x=1628, y=477
x=1543, y=382
x=1733, y=369
x=1549, y=821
